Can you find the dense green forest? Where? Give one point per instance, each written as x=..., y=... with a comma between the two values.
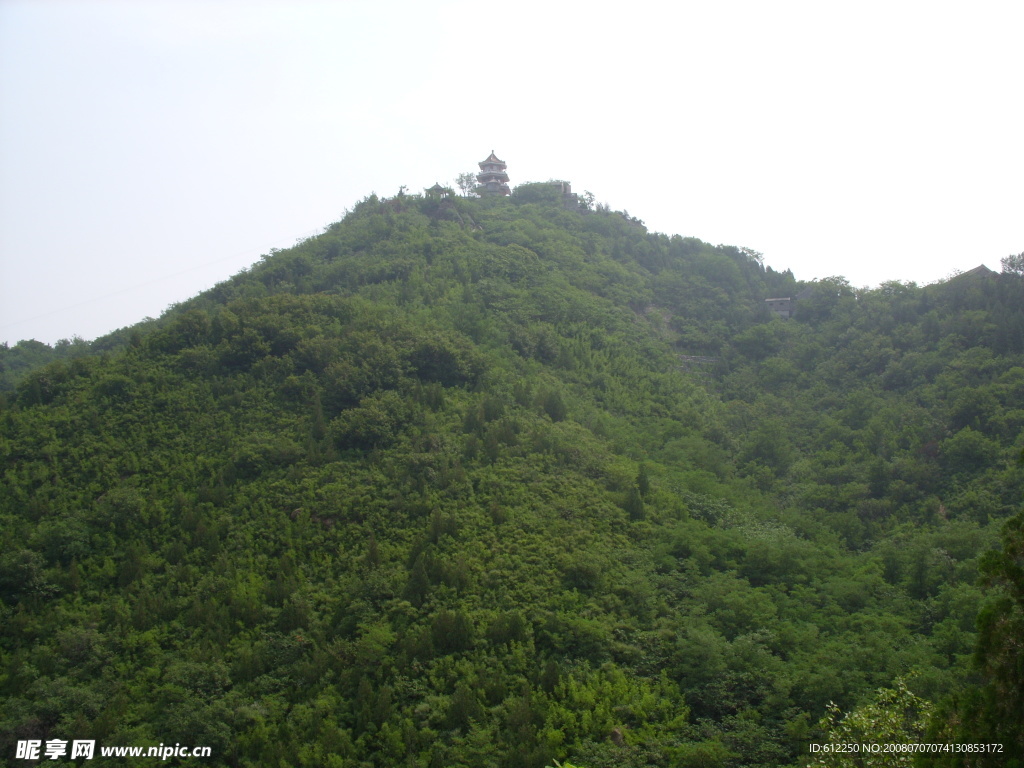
x=491, y=482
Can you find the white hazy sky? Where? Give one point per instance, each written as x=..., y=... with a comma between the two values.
x=149, y=150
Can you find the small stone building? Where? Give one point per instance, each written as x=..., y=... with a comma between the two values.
x=781, y=307
x=569, y=198
x=785, y=308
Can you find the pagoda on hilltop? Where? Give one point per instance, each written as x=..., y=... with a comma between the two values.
x=492, y=177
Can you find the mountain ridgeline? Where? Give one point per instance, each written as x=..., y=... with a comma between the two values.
x=490, y=482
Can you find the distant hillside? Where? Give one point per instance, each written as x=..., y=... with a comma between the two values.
x=467, y=482
x=29, y=354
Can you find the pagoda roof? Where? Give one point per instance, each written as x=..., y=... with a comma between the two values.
x=492, y=158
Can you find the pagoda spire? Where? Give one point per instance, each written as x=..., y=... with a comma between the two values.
x=492, y=176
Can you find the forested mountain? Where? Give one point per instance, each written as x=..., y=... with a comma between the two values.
x=490, y=482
